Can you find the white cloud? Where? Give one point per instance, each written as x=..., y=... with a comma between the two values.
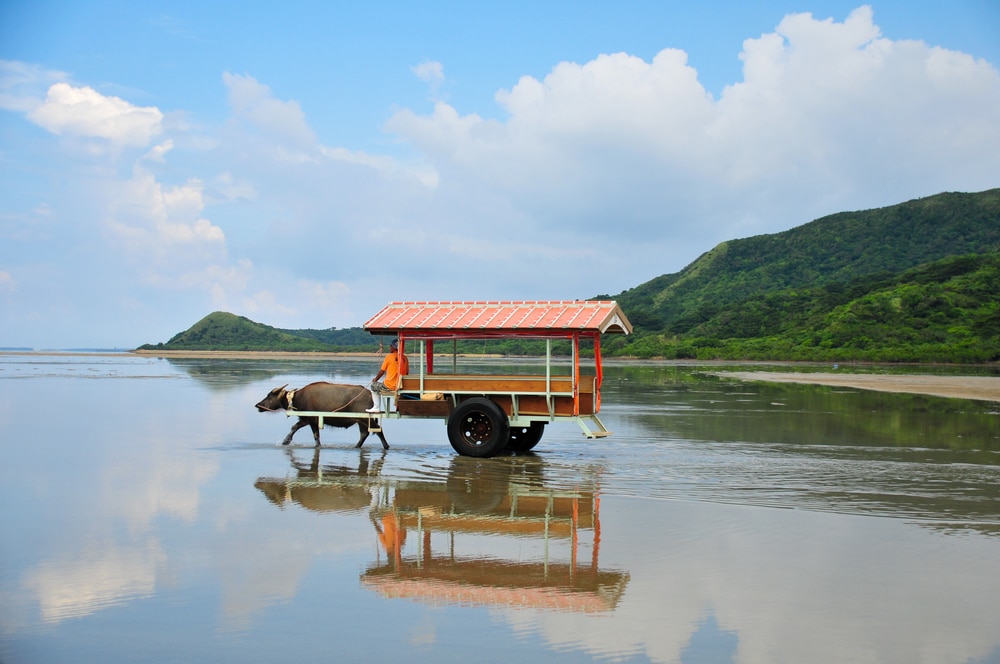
x=592, y=179
x=230, y=189
x=7, y=283
x=277, y=134
x=22, y=84
x=82, y=111
x=224, y=283
x=253, y=103
x=429, y=72
x=432, y=73
x=163, y=238
x=303, y=300
x=826, y=109
x=159, y=152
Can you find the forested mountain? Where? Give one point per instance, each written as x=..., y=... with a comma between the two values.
x=811, y=292
x=945, y=311
x=225, y=331
x=918, y=281
x=837, y=249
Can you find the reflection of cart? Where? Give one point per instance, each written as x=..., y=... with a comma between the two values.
x=482, y=508
x=488, y=413
x=451, y=577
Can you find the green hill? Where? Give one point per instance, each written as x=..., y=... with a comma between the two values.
x=945, y=311
x=776, y=288
x=836, y=249
x=225, y=331
x=918, y=281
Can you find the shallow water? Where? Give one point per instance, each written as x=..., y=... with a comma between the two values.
x=149, y=516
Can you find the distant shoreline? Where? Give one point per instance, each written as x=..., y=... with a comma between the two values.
x=978, y=388
x=226, y=354
x=253, y=354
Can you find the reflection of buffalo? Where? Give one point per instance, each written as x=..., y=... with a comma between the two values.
x=323, y=488
x=316, y=497
x=325, y=398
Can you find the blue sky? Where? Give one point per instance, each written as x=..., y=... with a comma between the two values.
x=302, y=165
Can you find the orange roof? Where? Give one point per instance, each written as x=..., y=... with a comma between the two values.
x=437, y=592
x=528, y=318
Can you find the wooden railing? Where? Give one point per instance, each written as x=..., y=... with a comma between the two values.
x=518, y=395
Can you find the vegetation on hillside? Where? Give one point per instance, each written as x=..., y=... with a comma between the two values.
x=902, y=283
x=915, y=282
x=838, y=249
x=945, y=311
x=225, y=331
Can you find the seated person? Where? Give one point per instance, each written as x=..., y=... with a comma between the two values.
x=394, y=365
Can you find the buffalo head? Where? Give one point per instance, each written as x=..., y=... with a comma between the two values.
x=275, y=400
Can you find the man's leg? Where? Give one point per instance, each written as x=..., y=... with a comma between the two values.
x=376, y=398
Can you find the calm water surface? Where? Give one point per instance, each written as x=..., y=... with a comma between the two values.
x=148, y=516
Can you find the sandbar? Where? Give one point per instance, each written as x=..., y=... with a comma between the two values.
x=980, y=388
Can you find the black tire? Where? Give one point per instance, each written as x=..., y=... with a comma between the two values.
x=524, y=439
x=478, y=427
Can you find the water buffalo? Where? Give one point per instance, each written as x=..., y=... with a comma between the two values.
x=326, y=398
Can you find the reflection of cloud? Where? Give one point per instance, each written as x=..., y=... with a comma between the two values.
x=139, y=484
x=169, y=485
x=261, y=573
x=70, y=588
x=257, y=572
x=795, y=587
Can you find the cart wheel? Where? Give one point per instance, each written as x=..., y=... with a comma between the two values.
x=522, y=439
x=478, y=427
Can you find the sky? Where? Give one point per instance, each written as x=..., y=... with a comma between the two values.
x=304, y=164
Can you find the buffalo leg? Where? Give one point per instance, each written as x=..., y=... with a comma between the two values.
x=363, y=428
x=295, y=427
x=314, y=423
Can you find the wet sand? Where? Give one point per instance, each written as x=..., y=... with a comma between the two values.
x=981, y=388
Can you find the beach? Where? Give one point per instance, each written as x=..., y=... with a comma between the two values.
x=981, y=388
x=158, y=510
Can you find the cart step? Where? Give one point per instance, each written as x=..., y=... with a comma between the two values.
x=592, y=427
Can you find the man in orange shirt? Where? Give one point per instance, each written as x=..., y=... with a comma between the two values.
x=394, y=365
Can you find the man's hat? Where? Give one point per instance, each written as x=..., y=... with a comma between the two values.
x=394, y=343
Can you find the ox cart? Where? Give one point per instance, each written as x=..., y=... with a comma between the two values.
x=488, y=413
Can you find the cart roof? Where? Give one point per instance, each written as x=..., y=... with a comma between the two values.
x=516, y=318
